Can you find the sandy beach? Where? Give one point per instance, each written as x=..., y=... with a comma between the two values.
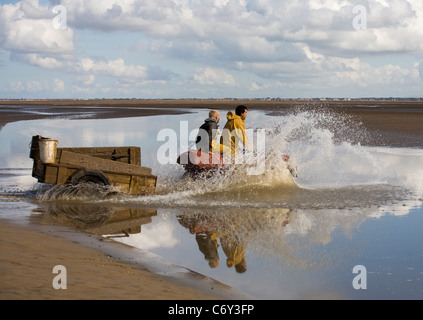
x=28, y=256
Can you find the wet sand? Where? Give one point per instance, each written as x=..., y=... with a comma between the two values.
x=27, y=256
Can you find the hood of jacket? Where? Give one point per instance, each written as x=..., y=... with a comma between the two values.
x=233, y=116
x=210, y=120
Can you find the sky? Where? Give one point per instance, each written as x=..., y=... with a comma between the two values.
x=85, y=49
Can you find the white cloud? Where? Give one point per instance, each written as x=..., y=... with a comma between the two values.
x=86, y=80
x=158, y=17
x=321, y=72
x=259, y=21
x=41, y=60
x=394, y=27
x=17, y=86
x=35, y=86
x=27, y=32
x=115, y=68
x=268, y=44
x=214, y=77
x=25, y=29
x=58, y=85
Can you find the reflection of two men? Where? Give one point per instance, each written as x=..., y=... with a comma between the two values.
x=207, y=233
x=233, y=247
x=231, y=229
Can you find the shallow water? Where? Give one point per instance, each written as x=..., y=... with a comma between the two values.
x=350, y=205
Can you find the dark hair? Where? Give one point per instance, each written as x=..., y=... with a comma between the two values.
x=240, y=110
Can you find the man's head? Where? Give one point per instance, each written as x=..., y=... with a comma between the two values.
x=214, y=114
x=241, y=111
x=241, y=267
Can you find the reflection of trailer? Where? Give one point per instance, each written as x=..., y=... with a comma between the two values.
x=116, y=166
x=99, y=218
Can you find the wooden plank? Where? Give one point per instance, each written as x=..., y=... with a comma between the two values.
x=58, y=154
x=142, y=185
x=62, y=175
x=107, y=166
x=129, y=155
x=38, y=171
x=120, y=181
x=135, y=156
x=50, y=174
x=138, y=185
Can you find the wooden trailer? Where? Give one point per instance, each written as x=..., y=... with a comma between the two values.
x=115, y=166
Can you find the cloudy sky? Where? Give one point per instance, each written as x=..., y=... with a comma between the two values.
x=211, y=48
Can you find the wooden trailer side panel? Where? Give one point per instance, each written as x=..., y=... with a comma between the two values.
x=107, y=166
x=139, y=185
x=51, y=173
x=123, y=182
x=143, y=185
x=128, y=155
x=38, y=170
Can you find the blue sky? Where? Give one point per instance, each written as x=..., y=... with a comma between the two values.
x=211, y=48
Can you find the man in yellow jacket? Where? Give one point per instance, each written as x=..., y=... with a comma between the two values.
x=234, y=137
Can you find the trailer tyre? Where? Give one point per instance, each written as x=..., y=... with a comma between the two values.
x=89, y=176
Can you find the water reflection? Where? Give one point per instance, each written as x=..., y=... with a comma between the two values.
x=232, y=229
x=97, y=218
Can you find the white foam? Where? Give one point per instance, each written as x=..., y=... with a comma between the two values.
x=325, y=158
x=402, y=166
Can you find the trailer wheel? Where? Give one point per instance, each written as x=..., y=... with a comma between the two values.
x=89, y=176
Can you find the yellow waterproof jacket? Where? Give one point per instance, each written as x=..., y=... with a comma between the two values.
x=234, y=250
x=234, y=137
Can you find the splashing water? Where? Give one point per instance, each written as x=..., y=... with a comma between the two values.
x=70, y=192
x=328, y=152
x=326, y=155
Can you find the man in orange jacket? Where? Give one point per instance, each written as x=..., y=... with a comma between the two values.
x=234, y=137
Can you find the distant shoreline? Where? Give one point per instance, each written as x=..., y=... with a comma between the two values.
x=268, y=102
x=221, y=104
